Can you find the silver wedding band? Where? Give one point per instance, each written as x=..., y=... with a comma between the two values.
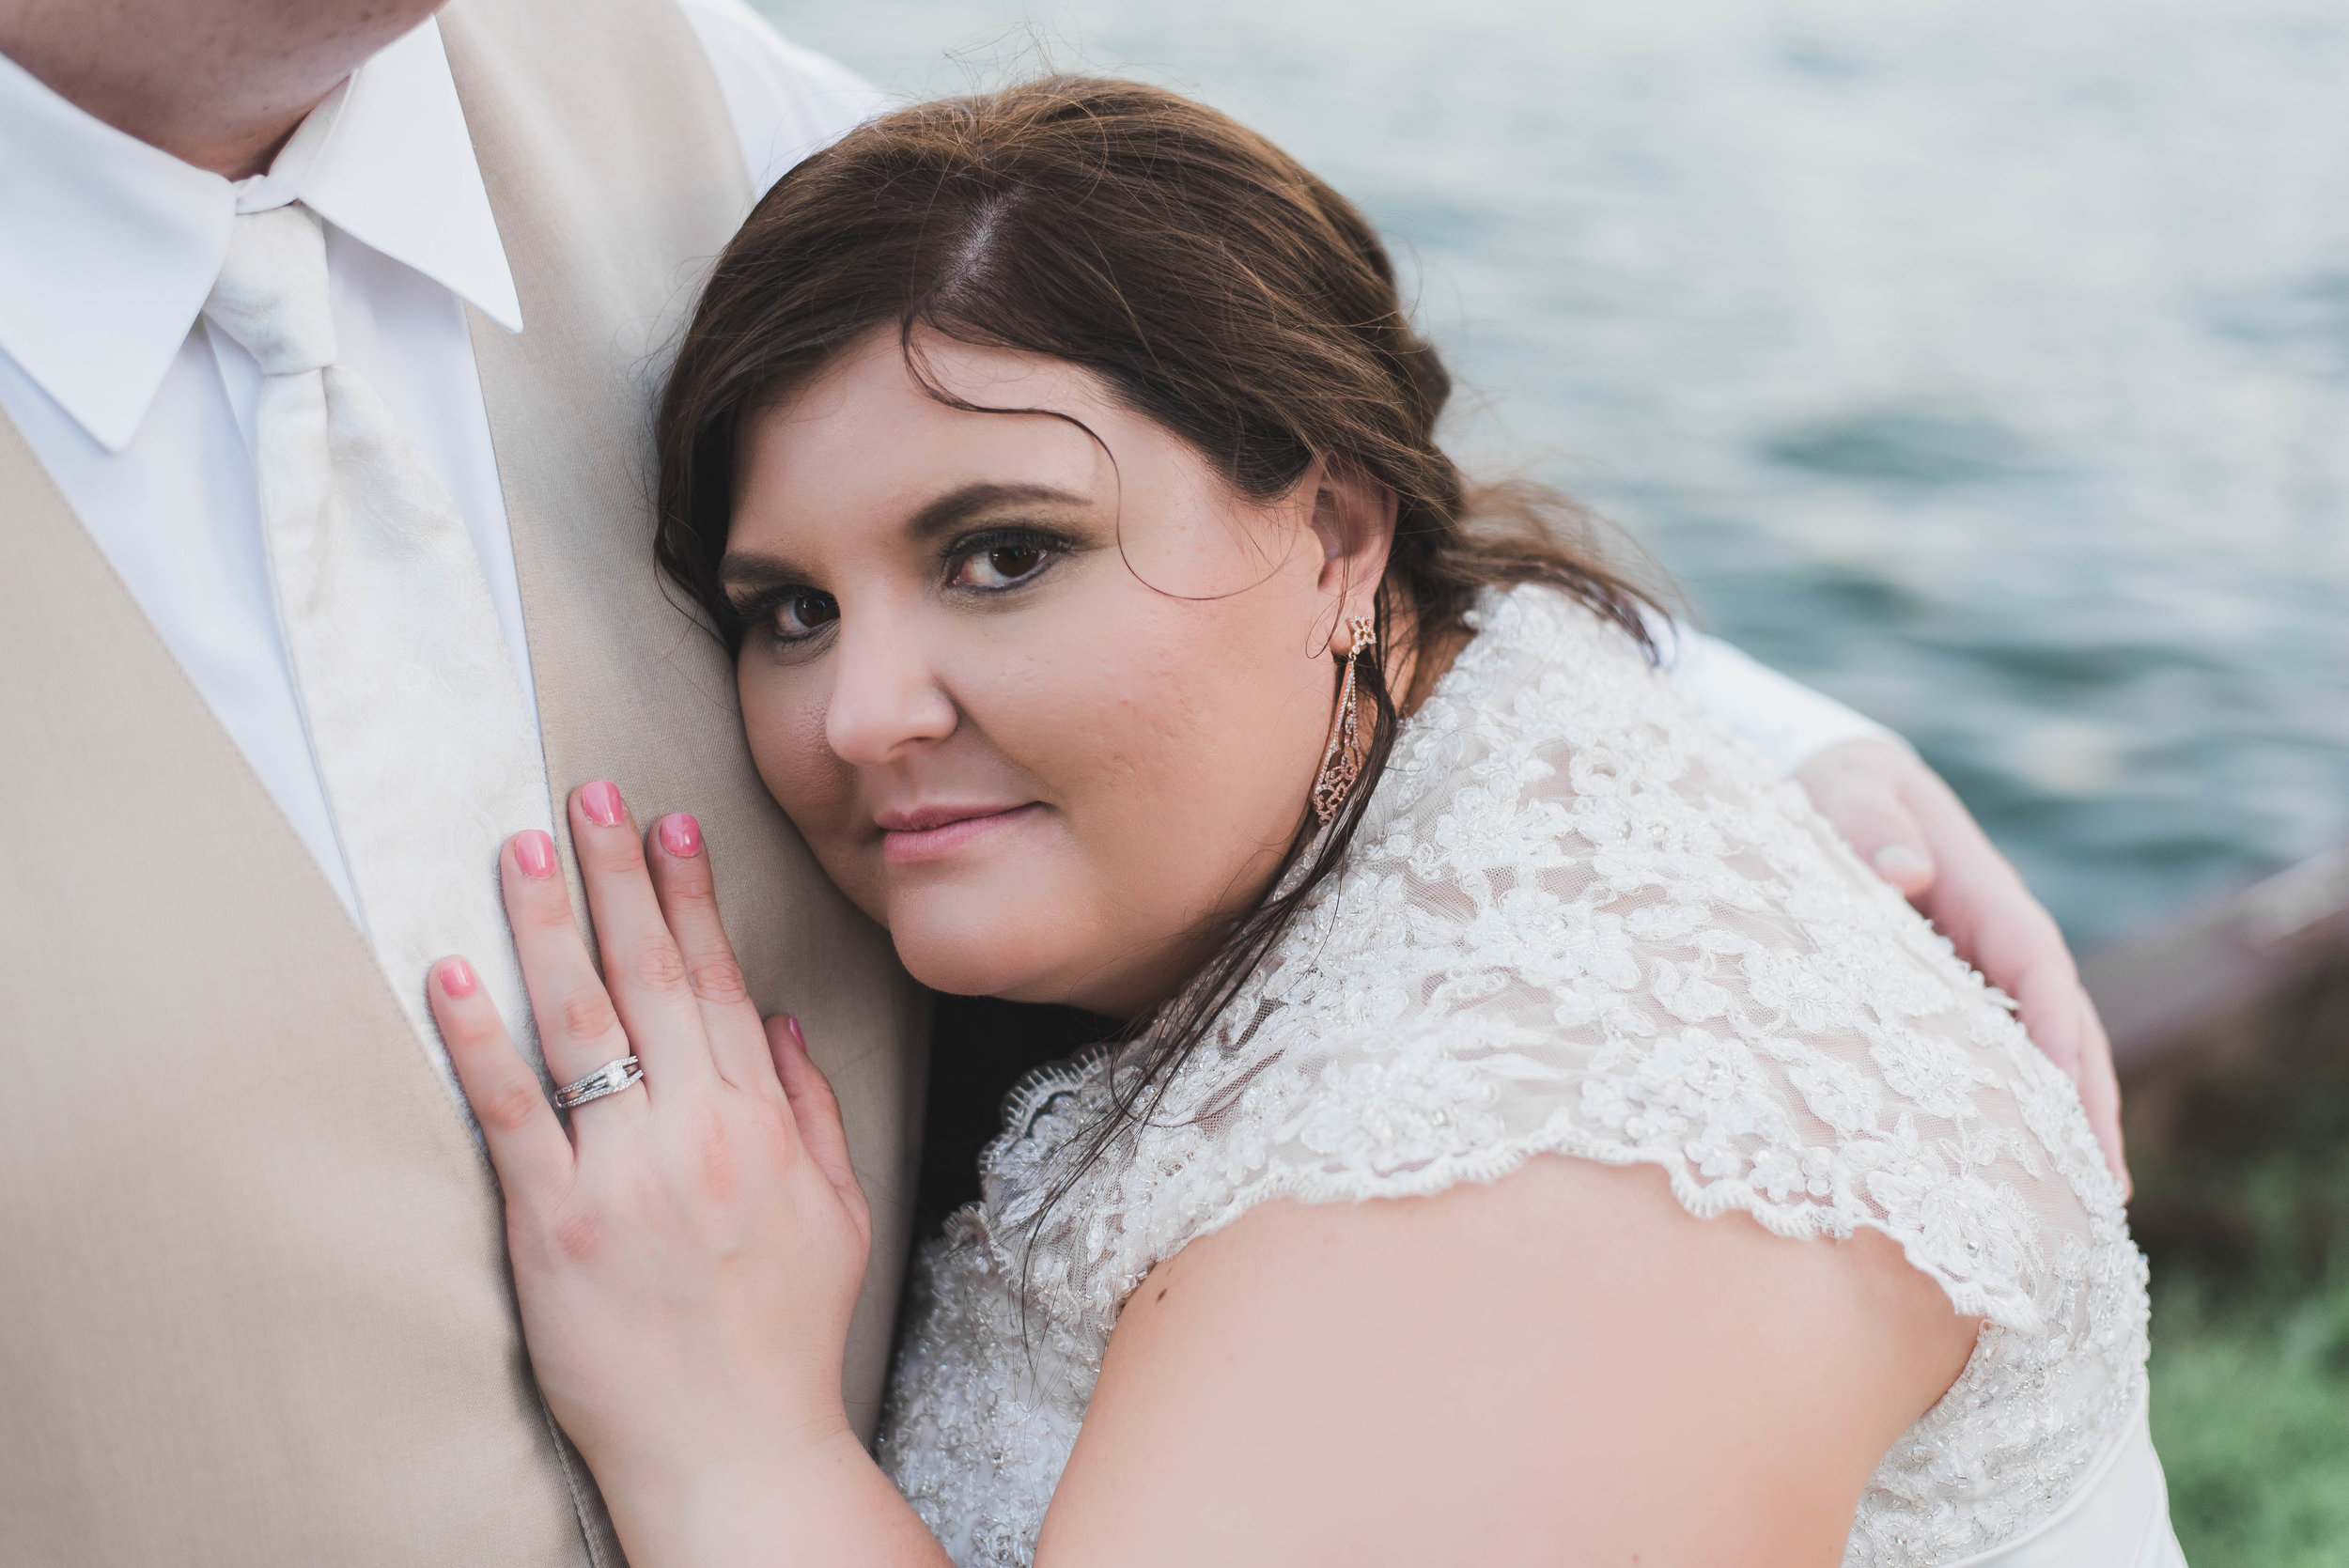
x=610, y=1079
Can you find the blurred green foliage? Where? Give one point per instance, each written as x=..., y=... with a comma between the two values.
x=2245, y=1213
x=2251, y=1418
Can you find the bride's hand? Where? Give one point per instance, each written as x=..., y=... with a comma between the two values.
x=688, y=1254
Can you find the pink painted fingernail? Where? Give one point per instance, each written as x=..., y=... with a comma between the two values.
x=456, y=977
x=792, y=1024
x=601, y=801
x=681, y=835
x=533, y=851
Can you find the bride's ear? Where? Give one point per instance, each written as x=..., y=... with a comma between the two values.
x=1354, y=520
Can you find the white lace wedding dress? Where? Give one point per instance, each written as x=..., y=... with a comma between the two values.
x=1579, y=919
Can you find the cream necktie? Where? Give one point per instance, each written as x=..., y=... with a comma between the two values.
x=415, y=715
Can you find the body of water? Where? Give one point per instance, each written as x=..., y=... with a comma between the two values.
x=1984, y=363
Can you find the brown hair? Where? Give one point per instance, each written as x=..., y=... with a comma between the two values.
x=1207, y=280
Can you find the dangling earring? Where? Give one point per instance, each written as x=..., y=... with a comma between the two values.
x=1342, y=762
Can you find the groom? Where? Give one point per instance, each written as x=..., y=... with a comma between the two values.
x=324, y=327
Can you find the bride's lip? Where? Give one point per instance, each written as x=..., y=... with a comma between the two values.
x=934, y=833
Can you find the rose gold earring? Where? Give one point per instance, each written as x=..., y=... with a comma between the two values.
x=1341, y=762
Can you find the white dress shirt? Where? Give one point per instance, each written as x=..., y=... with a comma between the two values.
x=108, y=248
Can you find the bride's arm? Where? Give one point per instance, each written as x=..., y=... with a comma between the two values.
x=1560, y=1359
x=1563, y=1365
x=688, y=1253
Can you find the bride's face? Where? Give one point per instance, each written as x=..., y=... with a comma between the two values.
x=1049, y=717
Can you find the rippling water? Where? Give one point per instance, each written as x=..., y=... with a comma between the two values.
x=1985, y=363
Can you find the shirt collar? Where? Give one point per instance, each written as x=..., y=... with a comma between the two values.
x=109, y=247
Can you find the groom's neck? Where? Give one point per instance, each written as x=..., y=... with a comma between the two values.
x=220, y=83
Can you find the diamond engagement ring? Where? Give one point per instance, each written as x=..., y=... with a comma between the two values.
x=610, y=1079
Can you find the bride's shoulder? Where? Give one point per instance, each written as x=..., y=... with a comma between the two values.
x=1577, y=918
x=1560, y=1354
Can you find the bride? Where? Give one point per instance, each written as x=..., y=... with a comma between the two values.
x=1535, y=1137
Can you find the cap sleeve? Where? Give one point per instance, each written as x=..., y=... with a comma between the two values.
x=1580, y=919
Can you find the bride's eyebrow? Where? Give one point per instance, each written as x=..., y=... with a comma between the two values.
x=746, y=571
x=956, y=507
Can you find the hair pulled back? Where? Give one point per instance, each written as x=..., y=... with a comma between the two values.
x=1210, y=281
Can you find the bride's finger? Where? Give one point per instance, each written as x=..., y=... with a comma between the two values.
x=815, y=1109
x=526, y=1144
x=685, y=882
x=643, y=969
x=578, y=1028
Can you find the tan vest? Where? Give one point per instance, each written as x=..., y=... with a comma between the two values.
x=254, y=1304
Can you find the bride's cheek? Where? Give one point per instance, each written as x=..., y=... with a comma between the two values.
x=782, y=718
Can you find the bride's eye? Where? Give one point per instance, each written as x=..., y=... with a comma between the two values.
x=802, y=612
x=1000, y=563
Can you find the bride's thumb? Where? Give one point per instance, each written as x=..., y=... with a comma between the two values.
x=814, y=1107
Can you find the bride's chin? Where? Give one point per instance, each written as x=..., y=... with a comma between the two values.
x=974, y=963
x=1015, y=960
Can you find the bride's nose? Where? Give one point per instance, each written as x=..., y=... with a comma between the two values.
x=886, y=699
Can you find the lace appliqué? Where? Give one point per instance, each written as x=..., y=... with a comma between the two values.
x=1578, y=919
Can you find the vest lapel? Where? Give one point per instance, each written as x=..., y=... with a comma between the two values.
x=581, y=146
